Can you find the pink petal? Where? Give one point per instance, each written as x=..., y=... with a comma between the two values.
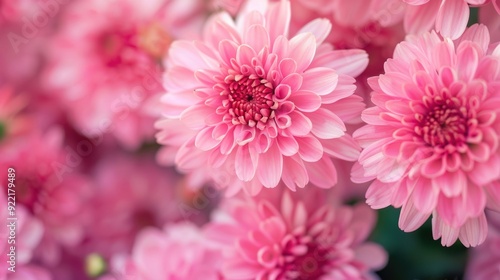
x=326, y=125
x=270, y=167
x=345, y=148
x=288, y=146
x=473, y=232
x=194, y=116
x=475, y=200
x=425, y=195
x=294, y=173
x=227, y=50
x=278, y=19
x=204, y=139
x=452, y=18
x=451, y=183
x=306, y=101
x=287, y=66
x=256, y=36
x=301, y=125
x=411, y=218
x=302, y=49
x=419, y=19
x=348, y=62
x=485, y=172
x=379, y=194
x=321, y=81
x=322, y=173
x=447, y=233
x=245, y=163
x=310, y=149
x=433, y=167
x=320, y=27
x=174, y=103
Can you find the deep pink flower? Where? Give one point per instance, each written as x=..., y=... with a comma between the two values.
x=258, y=105
x=301, y=235
x=449, y=17
x=106, y=71
x=484, y=260
x=431, y=141
x=181, y=251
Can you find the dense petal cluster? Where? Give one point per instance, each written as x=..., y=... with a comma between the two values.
x=259, y=105
x=196, y=256
x=291, y=238
x=431, y=141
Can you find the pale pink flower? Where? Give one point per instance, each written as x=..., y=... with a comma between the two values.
x=301, y=235
x=431, y=141
x=27, y=272
x=258, y=105
x=106, y=70
x=484, y=260
x=181, y=251
x=449, y=17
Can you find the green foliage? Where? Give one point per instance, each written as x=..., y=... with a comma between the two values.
x=416, y=255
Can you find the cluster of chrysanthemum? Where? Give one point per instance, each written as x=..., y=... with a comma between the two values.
x=193, y=139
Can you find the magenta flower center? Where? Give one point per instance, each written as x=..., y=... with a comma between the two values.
x=249, y=100
x=444, y=123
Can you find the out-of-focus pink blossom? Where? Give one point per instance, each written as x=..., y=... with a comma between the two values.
x=431, y=142
x=298, y=236
x=130, y=193
x=181, y=251
x=50, y=187
x=22, y=231
x=107, y=71
x=258, y=105
x=449, y=17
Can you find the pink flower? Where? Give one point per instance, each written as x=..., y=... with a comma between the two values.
x=49, y=186
x=484, y=260
x=431, y=141
x=257, y=105
x=299, y=236
x=180, y=251
x=450, y=17
x=106, y=71
x=131, y=193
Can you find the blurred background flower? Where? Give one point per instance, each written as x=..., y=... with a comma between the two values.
x=97, y=197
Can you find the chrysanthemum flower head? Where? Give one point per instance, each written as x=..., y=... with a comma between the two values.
x=431, y=142
x=298, y=236
x=259, y=105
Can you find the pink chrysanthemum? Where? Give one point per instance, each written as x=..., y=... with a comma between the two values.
x=431, y=141
x=181, y=251
x=49, y=186
x=134, y=193
x=296, y=237
x=257, y=105
x=107, y=74
x=450, y=17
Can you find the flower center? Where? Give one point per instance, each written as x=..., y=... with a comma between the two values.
x=250, y=100
x=444, y=123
